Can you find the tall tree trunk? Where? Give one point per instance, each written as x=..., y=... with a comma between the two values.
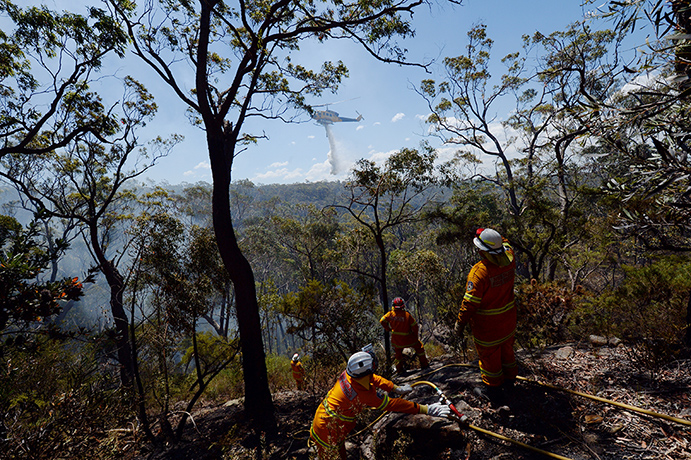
x=259, y=406
x=687, y=337
x=117, y=308
x=384, y=297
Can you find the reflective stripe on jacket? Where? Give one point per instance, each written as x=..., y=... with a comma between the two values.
x=488, y=303
x=335, y=416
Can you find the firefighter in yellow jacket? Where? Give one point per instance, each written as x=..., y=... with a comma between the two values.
x=298, y=371
x=488, y=306
x=404, y=333
x=355, y=390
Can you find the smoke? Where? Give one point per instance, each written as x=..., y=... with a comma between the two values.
x=334, y=160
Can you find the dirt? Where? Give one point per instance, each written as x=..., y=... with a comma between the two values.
x=542, y=418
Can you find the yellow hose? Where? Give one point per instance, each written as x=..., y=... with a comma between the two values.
x=491, y=433
x=584, y=395
x=609, y=401
x=547, y=385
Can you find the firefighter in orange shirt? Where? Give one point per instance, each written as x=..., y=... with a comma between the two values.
x=488, y=306
x=355, y=390
x=298, y=371
x=404, y=333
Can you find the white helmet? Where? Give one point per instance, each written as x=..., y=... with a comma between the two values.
x=360, y=365
x=296, y=357
x=489, y=240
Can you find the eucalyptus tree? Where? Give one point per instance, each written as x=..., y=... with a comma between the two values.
x=558, y=84
x=648, y=131
x=650, y=134
x=383, y=197
x=309, y=237
x=86, y=181
x=175, y=283
x=241, y=57
x=49, y=61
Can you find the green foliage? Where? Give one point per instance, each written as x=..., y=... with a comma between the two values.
x=58, y=401
x=647, y=310
x=23, y=298
x=333, y=317
x=227, y=385
x=50, y=56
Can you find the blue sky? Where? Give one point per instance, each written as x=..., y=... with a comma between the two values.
x=383, y=94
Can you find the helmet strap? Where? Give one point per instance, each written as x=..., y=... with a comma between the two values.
x=364, y=380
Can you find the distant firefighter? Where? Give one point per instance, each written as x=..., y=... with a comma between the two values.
x=404, y=333
x=298, y=371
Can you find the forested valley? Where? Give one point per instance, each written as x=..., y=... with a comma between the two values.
x=142, y=320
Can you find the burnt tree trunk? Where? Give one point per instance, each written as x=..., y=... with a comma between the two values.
x=258, y=403
x=687, y=337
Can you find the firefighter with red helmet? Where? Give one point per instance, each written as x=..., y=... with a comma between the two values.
x=355, y=390
x=298, y=371
x=488, y=306
x=404, y=333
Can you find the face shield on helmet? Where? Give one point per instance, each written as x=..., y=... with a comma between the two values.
x=369, y=348
x=489, y=241
x=296, y=358
x=360, y=365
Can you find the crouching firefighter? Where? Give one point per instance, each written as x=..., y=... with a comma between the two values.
x=355, y=390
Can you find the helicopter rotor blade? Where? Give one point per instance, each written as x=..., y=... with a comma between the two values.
x=334, y=103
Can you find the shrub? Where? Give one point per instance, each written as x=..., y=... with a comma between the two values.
x=58, y=401
x=545, y=312
x=648, y=310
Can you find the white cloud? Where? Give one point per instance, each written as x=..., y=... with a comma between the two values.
x=319, y=172
x=194, y=172
x=399, y=116
x=380, y=157
x=282, y=173
x=377, y=123
x=311, y=136
x=359, y=128
x=278, y=164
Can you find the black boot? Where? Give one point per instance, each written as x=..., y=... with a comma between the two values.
x=492, y=394
x=509, y=388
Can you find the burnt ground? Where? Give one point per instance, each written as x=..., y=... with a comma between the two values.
x=540, y=417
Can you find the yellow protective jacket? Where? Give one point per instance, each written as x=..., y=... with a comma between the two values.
x=488, y=303
x=403, y=327
x=335, y=416
x=298, y=370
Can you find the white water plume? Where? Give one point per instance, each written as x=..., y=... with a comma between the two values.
x=334, y=160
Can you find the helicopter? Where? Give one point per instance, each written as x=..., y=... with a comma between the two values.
x=329, y=117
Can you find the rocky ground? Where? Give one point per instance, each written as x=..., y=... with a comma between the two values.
x=545, y=420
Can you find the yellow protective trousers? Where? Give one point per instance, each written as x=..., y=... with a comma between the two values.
x=497, y=361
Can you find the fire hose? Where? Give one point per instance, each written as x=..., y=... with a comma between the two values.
x=463, y=420
x=584, y=395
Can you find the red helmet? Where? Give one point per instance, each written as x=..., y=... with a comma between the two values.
x=398, y=303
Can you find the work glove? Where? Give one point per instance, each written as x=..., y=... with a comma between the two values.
x=403, y=389
x=438, y=410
